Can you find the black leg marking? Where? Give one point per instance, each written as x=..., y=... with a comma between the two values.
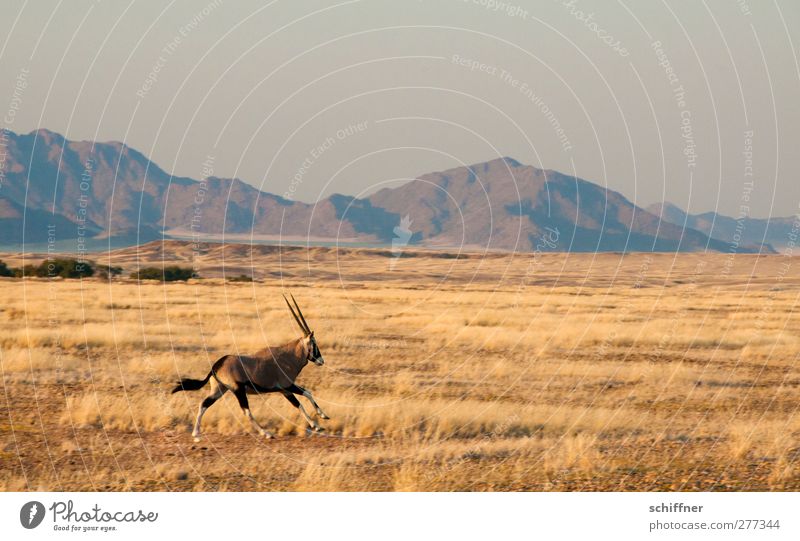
x=296, y=389
x=291, y=398
x=204, y=405
x=241, y=396
x=296, y=403
x=209, y=401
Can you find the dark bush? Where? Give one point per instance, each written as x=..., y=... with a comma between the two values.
x=66, y=268
x=27, y=270
x=241, y=278
x=172, y=273
x=63, y=267
x=4, y=270
x=109, y=272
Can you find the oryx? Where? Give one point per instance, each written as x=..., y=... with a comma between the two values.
x=271, y=370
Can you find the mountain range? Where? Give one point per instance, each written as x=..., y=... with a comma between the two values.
x=66, y=189
x=773, y=234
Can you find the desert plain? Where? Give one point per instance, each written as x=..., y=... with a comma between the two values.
x=443, y=371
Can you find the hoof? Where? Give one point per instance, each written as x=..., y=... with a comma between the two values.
x=323, y=416
x=319, y=429
x=196, y=439
x=268, y=435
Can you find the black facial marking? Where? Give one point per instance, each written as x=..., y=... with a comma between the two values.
x=313, y=351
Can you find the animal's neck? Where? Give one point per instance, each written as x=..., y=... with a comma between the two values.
x=301, y=350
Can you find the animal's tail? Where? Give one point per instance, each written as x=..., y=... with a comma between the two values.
x=188, y=384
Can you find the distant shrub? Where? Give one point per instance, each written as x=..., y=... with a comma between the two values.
x=4, y=270
x=172, y=273
x=109, y=272
x=241, y=278
x=27, y=270
x=63, y=267
x=66, y=268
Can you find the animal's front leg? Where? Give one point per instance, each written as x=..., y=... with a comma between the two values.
x=296, y=403
x=296, y=389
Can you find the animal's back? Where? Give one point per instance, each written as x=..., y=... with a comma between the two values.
x=269, y=369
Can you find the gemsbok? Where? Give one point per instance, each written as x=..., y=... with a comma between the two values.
x=271, y=370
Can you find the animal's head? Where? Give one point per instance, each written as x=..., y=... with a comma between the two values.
x=313, y=355
x=313, y=350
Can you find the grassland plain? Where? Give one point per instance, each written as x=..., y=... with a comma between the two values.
x=443, y=372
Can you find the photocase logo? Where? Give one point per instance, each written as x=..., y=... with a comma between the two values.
x=401, y=239
x=31, y=515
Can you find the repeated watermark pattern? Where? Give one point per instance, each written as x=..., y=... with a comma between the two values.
x=593, y=26
x=680, y=97
x=587, y=19
x=393, y=339
x=171, y=47
x=524, y=88
x=473, y=451
x=81, y=217
x=14, y=104
x=318, y=150
x=507, y=8
x=196, y=220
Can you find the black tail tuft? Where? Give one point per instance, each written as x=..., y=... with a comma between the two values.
x=188, y=384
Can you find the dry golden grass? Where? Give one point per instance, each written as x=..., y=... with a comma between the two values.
x=594, y=373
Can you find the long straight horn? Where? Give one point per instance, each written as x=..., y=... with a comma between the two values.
x=308, y=331
x=302, y=328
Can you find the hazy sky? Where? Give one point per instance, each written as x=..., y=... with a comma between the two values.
x=272, y=91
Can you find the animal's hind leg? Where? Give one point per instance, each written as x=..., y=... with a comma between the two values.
x=241, y=396
x=296, y=389
x=296, y=403
x=217, y=391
